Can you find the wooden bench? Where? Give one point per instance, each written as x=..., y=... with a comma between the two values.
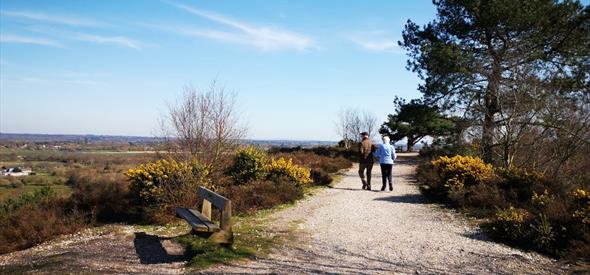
x=201, y=222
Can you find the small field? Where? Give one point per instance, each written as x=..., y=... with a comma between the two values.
x=55, y=168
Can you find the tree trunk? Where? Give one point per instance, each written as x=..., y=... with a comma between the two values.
x=491, y=109
x=410, y=145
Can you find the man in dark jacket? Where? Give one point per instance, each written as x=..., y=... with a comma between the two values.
x=366, y=160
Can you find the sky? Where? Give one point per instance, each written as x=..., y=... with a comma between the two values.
x=114, y=67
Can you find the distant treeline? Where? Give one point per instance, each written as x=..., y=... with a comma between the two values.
x=74, y=138
x=52, y=138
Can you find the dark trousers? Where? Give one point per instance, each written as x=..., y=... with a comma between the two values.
x=386, y=174
x=365, y=169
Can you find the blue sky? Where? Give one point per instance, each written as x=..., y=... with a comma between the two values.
x=111, y=67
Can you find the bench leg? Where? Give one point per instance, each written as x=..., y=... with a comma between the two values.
x=222, y=237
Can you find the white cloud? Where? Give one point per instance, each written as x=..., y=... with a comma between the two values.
x=262, y=37
x=9, y=38
x=376, y=40
x=115, y=40
x=122, y=41
x=377, y=45
x=52, y=18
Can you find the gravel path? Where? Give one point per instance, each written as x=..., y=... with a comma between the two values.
x=349, y=230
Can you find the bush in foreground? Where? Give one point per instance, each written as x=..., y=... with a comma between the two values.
x=34, y=218
x=523, y=208
x=158, y=187
x=263, y=194
x=249, y=164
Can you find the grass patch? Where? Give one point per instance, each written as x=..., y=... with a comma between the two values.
x=204, y=253
x=252, y=238
x=7, y=192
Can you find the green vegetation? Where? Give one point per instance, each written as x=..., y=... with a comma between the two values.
x=78, y=190
x=509, y=66
x=56, y=168
x=248, y=165
x=519, y=207
x=516, y=72
x=414, y=121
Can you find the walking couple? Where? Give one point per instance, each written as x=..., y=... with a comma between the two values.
x=386, y=155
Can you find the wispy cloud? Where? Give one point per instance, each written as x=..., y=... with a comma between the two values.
x=53, y=79
x=114, y=40
x=9, y=38
x=377, y=41
x=262, y=37
x=53, y=18
x=377, y=45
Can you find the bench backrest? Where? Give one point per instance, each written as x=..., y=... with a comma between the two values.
x=208, y=198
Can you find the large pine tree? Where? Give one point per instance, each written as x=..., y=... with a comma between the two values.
x=471, y=54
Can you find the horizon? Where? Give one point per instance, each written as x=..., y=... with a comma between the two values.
x=402, y=142
x=151, y=137
x=111, y=68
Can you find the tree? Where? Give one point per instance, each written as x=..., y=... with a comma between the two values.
x=472, y=55
x=351, y=122
x=203, y=125
x=414, y=121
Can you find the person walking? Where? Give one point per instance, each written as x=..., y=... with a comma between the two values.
x=386, y=155
x=366, y=160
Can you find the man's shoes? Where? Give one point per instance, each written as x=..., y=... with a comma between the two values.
x=368, y=187
x=390, y=188
x=364, y=186
x=383, y=188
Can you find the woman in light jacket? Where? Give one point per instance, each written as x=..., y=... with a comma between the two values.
x=386, y=155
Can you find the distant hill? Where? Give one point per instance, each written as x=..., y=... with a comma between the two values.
x=290, y=143
x=41, y=138
x=73, y=138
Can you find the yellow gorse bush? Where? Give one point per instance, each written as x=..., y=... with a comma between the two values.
x=249, y=165
x=541, y=200
x=285, y=167
x=460, y=171
x=512, y=215
x=511, y=223
x=149, y=181
x=582, y=198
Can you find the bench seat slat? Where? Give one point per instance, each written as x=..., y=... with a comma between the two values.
x=197, y=221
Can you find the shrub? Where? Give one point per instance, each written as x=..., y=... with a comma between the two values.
x=510, y=224
x=541, y=200
x=282, y=167
x=482, y=199
x=435, y=151
x=581, y=211
x=542, y=233
x=460, y=171
x=536, y=212
x=315, y=161
x=160, y=186
x=103, y=198
x=320, y=177
x=520, y=184
x=13, y=204
x=263, y=194
x=34, y=218
x=321, y=165
x=249, y=164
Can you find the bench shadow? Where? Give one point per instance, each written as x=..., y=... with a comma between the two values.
x=409, y=198
x=150, y=250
